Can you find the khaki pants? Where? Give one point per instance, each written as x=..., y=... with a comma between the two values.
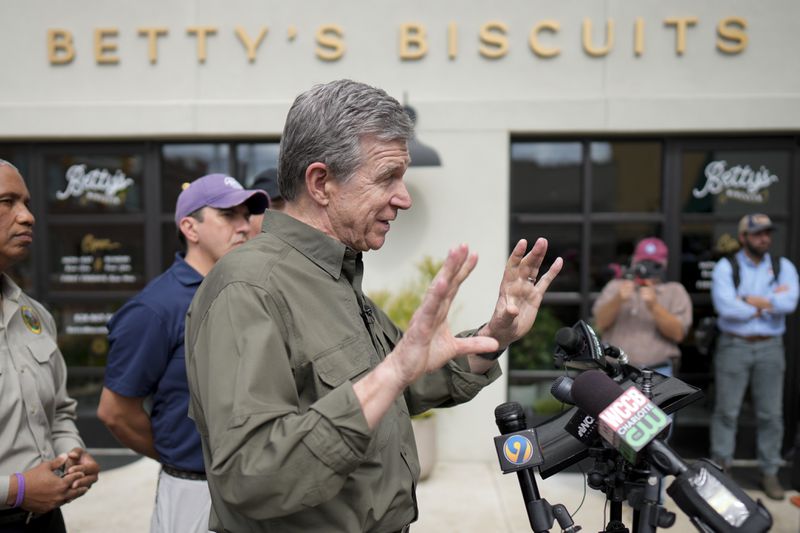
x=182, y=506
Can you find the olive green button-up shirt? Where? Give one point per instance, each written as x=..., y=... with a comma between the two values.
x=275, y=337
x=37, y=418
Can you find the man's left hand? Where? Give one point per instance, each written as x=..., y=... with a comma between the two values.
x=648, y=295
x=79, y=460
x=520, y=293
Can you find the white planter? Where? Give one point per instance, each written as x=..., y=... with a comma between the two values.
x=425, y=435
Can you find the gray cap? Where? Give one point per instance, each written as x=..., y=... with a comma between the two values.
x=754, y=223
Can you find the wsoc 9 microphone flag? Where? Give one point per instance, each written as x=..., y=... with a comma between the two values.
x=627, y=419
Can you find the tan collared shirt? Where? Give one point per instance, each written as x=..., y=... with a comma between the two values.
x=635, y=330
x=275, y=337
x=37, y=418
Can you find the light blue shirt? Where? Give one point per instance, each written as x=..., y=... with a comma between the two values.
x=739, y=318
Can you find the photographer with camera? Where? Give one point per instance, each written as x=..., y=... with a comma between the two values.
x=641, y=313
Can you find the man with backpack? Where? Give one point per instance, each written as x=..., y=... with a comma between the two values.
x=752, y=298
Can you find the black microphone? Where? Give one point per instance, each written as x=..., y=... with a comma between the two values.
x=518, y=451
x=629, y=422
x=581, y=425
x=561, y=389
x=569, y=340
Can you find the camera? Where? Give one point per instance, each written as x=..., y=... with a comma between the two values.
x=644, y=270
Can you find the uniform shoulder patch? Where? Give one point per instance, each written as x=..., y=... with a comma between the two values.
x=31, y=319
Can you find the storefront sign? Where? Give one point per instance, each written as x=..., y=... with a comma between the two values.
x=412, y=40
x=88, y=324
x=737, y=182
x=95, y=265
x=96, y=185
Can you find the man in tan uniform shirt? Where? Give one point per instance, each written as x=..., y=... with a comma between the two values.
x=43, y=463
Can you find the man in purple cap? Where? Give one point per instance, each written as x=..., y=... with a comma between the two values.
x=641, y=313
x=752, y=306
x=146, y=355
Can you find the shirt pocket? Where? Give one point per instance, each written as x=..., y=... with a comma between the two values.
x=342, y=362
x=41, y=350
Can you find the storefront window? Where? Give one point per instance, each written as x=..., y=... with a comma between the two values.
x=94, y=183
x=626, y=176
x=546, y=177
x=17, y=156
x=611, y=249
x=704, y=243
x=563, y=241
x=82, y=332
x=735, y=182
x=97, y=257
x=184, y=163
x=170, y=244
x=254, y=158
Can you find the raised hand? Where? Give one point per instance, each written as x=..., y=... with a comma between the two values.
x=428, y=342
x=520, y=293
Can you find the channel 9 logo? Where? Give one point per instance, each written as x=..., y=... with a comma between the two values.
x=518, y=450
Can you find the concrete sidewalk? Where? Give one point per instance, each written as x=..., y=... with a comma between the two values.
x=459, y=497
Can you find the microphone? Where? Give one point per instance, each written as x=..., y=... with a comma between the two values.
x=569, y=341
x=582, y=426
x=630, y=422
x=561, y=389
x=626, y=418
x=578, y=347
x=518, y=451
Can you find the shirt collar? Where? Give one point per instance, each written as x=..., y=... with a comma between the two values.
x=184, y=273
x=321, y=249
x=10, y=289
x=749, y=262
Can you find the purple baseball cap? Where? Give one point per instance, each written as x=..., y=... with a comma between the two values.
x=220, y=191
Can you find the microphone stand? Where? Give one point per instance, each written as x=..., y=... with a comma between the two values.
x=542, y=515
x=650, y=514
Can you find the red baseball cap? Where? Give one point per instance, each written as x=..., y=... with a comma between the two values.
x=651, y=249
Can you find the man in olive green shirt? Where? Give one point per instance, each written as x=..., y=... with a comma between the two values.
x=300, y=387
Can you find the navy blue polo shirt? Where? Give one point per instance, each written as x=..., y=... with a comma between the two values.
x=146, y=358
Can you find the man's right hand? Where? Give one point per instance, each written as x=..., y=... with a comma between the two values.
x=626, y=289
x=45, y=489
x=427, y=344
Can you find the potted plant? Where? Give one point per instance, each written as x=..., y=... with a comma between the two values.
x=400, y=306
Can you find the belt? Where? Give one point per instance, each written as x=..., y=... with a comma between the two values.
x=15, y=516
x=183, y=474
x=752, y=338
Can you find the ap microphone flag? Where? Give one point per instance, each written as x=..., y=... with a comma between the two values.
x=626, y=418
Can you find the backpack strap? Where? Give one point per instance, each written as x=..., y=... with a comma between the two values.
x=734, y=271
x=776, y=269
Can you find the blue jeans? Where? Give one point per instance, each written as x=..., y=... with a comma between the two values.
x=738, y=362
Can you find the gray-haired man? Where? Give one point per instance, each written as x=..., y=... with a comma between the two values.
x=305, y=420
